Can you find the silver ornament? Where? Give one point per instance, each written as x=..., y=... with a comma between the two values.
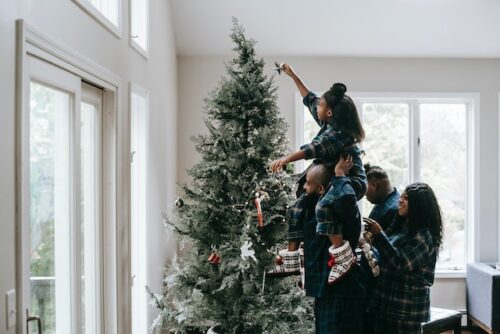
x=179, y=202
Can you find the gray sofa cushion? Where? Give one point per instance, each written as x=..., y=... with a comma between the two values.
x=483, y=294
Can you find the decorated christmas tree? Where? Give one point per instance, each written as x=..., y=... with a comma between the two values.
x=232, y=218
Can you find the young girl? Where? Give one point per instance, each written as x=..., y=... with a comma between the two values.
x=340, y=131
x=400, y=300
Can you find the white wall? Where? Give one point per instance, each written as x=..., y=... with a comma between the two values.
x=65, y=22
x=198, y=75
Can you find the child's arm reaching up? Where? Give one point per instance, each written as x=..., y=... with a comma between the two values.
x=277, y=165
x=298, y=82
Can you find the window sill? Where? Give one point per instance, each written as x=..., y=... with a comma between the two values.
x=101, y=18
x=134, y=45
x=446, y=273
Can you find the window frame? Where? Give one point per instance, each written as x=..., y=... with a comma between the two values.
x=472, y=100
x=115, y=209
x=90, y=9
x=138, y=90
x=133, y=44
x=90, y=95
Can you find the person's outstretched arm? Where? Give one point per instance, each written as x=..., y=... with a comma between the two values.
x=408, y=257
x=300, y=84
x=277, y=165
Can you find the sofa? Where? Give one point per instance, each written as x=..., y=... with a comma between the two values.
x=483, y=296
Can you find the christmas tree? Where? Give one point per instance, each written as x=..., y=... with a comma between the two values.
x=233, y=218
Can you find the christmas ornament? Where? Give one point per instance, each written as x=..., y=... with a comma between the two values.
x=260, y=196
x=369, y=255
x=214, y=258
x=260, y=217
x=247, y=251
x=179, y=202
x=278, y=67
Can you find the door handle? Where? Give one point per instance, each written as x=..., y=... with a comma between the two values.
x=33, y=318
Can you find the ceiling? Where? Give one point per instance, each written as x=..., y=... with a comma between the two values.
x=359, y=28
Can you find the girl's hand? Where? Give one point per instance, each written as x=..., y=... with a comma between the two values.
x=288, y=69
x=277, y=165
x=343, y=166
x=372, y=226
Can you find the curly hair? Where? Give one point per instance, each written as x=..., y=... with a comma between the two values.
x=424, y=211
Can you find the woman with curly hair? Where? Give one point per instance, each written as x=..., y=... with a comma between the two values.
x=408, y=253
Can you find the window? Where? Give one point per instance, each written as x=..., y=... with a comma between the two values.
x=68, y=211
x=65, y=200
x=106, y=12
x=139, y=203
x=139, y=26
x=49, y=155
x=427, y=139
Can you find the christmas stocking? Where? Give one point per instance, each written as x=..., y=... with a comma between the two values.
x=341, y=261
x=287, y=263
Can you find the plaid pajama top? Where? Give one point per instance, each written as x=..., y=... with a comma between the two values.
x=337, y=208
x=330, y=142
x=407, y=264
x=316, y=255
x=327, y=147
x=385, y=212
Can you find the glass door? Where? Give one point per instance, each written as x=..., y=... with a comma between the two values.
x=61, y=239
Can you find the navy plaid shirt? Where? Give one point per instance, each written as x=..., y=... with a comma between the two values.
x=407, y=264
x=385, y=212
x=337, y=208
x=316, y=253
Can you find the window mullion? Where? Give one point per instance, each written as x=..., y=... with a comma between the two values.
x=469, y=197
x=415, y=157
x=75, y=226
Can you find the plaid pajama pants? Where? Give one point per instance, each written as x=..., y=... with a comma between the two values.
x=339, y=315
x=386, y=324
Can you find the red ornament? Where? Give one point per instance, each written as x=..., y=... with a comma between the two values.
x=331, y=261
x=279, y=260
x=214, y=258
x=260, y=218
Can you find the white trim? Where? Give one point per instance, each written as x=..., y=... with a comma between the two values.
x=133, y=44
x=138, y=90
x=22, y=174
x=41, y=46
x=450, y=274
x=94, y=97
x=403, y=97
x=100, y=18
x=473, y=181
x=115, y=172
x=414, y=140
